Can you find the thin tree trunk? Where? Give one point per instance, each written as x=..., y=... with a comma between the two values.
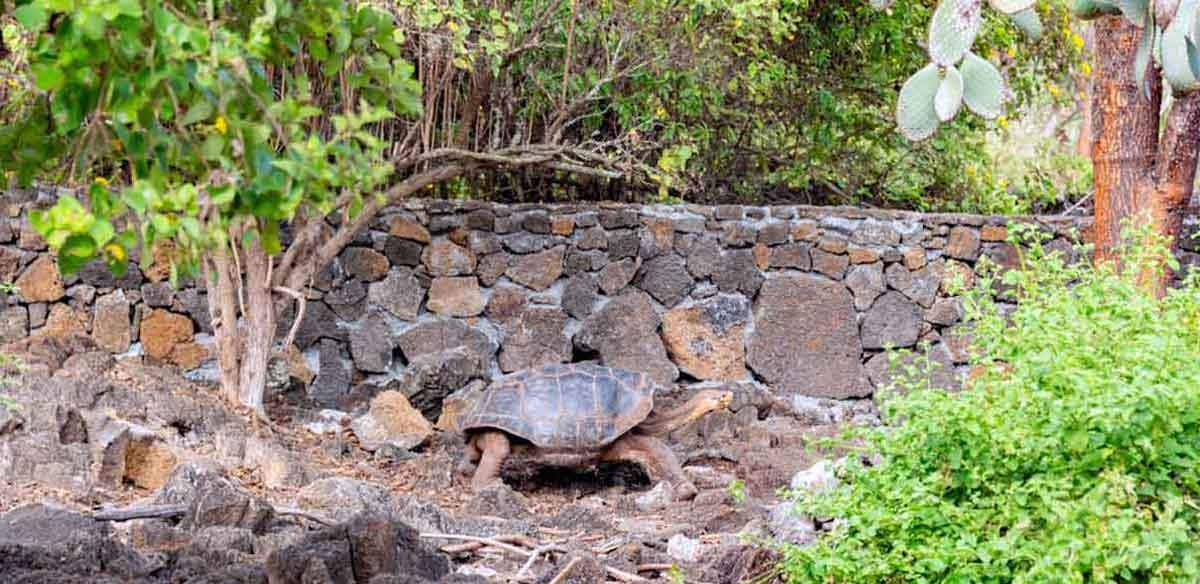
x=260, y=328
x=1124, y=130
x=223, y=304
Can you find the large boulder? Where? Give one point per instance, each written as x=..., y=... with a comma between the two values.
x=371, y=344
x=665, y=278
x=457, y=296
x=391, y=421
x=537, y=270
x=110, y=325
x=705, y=339
x=40, y=543
x=40, y=282
x=625, y=334
x=400, y=293
x=213, y=499
x=429, y=378
x=806, y=338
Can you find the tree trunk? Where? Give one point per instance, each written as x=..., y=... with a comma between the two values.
x=259, y=336
x=1124, y=132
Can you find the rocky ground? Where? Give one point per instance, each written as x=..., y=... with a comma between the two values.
x=116, y=471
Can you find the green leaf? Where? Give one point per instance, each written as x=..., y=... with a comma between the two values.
x=1136, y=11
x=1092, y=9
x=76, y=251
x=270, y=237
x=101, y=232
x=32, y=16
x=915, y=112
x=48, y=77
x=949, y=95
x=1030, y=24
x=983, y=87
x=952, y=30
x=199, y=111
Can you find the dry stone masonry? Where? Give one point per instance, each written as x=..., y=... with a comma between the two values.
x=438, y=294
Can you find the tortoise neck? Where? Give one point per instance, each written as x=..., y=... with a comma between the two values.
x=661, y=423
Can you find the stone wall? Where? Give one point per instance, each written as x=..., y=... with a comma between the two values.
x=803, y=299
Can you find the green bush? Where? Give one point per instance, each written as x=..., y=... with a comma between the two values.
x=1073, y=457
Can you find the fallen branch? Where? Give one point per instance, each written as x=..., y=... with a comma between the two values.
x=487, y=541
x=623, y=575
x=141, y=512
x=562, y=575
x=533, y=556
x=288, y=511
x=654, y=567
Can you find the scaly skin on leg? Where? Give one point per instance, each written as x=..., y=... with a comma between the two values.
x=656, y=457
x=495, y=448
x=471, y=456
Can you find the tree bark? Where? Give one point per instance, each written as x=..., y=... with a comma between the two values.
x=259, y=336
x=1124, y=132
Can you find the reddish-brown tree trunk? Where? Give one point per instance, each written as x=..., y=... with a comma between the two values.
x=1139, y=175
x=1124, y=132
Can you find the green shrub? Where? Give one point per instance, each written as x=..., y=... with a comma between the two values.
x=1073, y=457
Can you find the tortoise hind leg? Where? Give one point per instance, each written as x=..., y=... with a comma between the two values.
x=494, y=447
x=471, y=457
x=656, y=457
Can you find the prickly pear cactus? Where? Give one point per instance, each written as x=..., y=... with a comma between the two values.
x=983, y=87
x=1027, y=20
x=949, y=96
x=1180, y=57
x=1011, y=6
x=915, y=112
x=952, y=30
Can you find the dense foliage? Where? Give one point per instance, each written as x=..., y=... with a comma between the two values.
x=1073, y=457
x=726, y=100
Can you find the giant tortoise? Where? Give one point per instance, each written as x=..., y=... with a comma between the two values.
x=580, y=414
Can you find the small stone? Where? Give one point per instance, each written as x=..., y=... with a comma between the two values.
x=728, y=212
x=391, y=420
x=40, y=282
x=963, y=243
x=328, y=422
x=371, y=344
x=705, y=340
x=536, y=222
x=158, y=294
x=615, y=276
x=400, y=294
x=189, y=356
x=666, y=279
x=593, y=238
x=332, y=382
x=110, y=323
x=953, y=271
x=816, y=479
x=738, y=272
x=563, y=226
x=406, y=228
x=483, y=242
x=863, y=255
x=491, y=267
x=402, y=252
x=762, y=256
x=788, y=525
x=623, y=244
x=656, y=499
x=804, y=230
x=866, y=282
x=161, y=331
x=364, y=263
x=833, y=245
x=683, y=548
x=914, y=258
x=625, y=334
x=536, y=337
x=445, y=258
x=830, y=264
x=738, y=234
x=875, y=232
x=37, y=315
x=892, y=321
x=459, y=297
x=539, y=270
x=774, y=233
x=790, y=255
x=506, y=302
x=704, y=258
x=65, y=321
x=523, y=242
x=945, y=312
x=29, y=239
x=481, y=220
x=920, y=286
x=14, y=324
x=941, y=375
x=579, y=295
x=610, y=219
x=993, y=233
x=659, y=236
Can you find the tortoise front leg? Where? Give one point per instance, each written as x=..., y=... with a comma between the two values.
x=495, y=448
x=656, y=457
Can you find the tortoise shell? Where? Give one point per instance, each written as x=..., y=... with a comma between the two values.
x=577, y=406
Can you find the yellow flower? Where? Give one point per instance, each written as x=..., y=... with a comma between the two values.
x=1012, y=53
x=1054, y=91
x=970, y=170
x=1002, y=121
x=221, y=125
x=116, y=251
x=1076, y=40
x=101, y=181
x=661, y=112
x=1086, y=68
